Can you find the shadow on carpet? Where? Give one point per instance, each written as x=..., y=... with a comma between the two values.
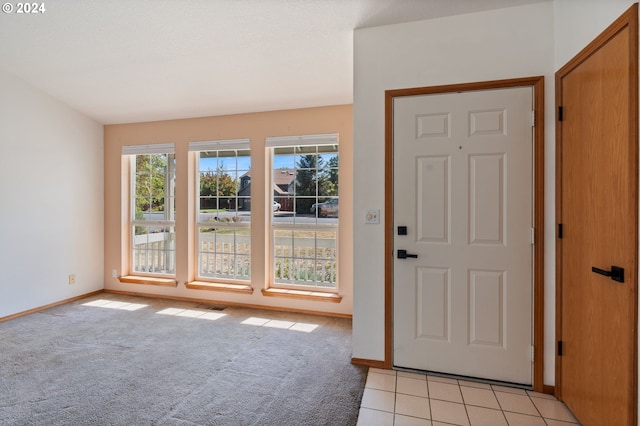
x=121, y=360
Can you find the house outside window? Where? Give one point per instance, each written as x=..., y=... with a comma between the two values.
x=223, y=210
x=152, y=209
x=305, y=226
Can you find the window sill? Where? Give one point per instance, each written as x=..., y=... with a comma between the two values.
x=132, y=279
x=236, y=288
x=300, y=294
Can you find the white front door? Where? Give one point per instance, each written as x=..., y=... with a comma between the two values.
x=463, y=188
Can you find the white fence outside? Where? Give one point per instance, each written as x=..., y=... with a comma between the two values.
x=310, y=262
x=154, y=253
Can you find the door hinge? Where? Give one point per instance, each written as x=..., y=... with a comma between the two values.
x=560, y=113
x=559, y=347
x=533, y=236
x=533, y=353
x=559, y=230
x=533, y=119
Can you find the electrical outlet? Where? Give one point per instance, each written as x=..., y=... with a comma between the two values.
x=114, y=273
x=372, y=216
x=72, y=279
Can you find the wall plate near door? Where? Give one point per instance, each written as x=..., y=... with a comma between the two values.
x=372, y=216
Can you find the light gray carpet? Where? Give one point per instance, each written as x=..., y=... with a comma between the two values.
x=90, y=365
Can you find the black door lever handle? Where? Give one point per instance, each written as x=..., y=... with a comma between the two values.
x=402, y=254
x=616, y=273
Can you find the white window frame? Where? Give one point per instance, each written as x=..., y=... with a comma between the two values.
x=296, y=141
x=167, y=255
x=211, y=146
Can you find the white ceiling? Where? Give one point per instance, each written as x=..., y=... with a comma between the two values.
x=121, y=61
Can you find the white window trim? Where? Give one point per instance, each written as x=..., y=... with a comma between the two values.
x=219, y=145
x=320, y=139
x=131, y=151
x=161, y=148
x=214, y=145
x=289, y=141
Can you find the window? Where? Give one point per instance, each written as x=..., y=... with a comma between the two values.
x=223, y=185
x=152, y=208
x=305, y=212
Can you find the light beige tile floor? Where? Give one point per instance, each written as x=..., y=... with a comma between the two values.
x=408, y=399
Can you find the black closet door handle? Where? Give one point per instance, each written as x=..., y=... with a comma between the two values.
x=616, y=273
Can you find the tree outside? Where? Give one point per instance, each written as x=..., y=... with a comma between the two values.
x=217, y=185
x=315, y=181
x=151, y=172
x=332, y=184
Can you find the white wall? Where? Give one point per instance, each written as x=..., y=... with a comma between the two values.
x=578, y=22
x=51, y=199
x=516, y=42
x=502, y=44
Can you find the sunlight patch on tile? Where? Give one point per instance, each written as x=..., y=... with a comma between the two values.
x=110, y=304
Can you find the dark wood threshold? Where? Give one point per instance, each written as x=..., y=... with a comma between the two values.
x=370, y=363
x=204, y=285
x=301, y=294
x=549, y=390
x=133, y=279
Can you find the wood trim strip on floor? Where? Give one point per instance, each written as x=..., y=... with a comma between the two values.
x=235, y=304
x=50, y=305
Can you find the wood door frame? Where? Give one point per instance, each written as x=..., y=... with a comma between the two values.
x=537, y=84
x=629, y=19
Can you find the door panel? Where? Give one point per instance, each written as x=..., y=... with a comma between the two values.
x=486, y=308
x=434, y=290
x=463, y=187
x=486, y=207
x=597, y=207
x=433, y=199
